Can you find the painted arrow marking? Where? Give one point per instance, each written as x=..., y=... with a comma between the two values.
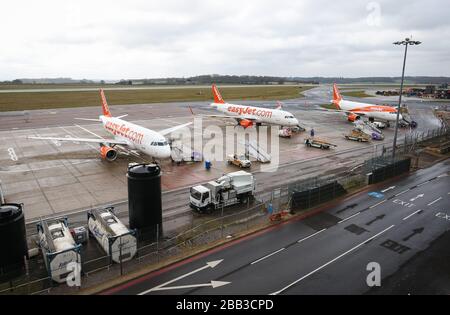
x=416, y=231
x=417, y=197
x=387, y=189
x=380, y=217
x=213, y=284
x=211, y=264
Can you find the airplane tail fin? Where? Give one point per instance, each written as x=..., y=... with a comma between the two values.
x=337, y=98
x=217, y=97
x=105, y=107
x=279, y=105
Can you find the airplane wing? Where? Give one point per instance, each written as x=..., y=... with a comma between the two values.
x=172, y=129
x=99, y=141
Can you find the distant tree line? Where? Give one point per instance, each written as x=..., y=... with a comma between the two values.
x=242, y=79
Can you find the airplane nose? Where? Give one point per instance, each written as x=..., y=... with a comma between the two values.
x=167, y=152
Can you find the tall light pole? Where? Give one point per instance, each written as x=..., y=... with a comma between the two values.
x=405, y=42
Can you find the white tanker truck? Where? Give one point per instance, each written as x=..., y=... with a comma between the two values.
x=226, y=191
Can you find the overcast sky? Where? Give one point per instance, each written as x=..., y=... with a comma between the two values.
x=96, y=39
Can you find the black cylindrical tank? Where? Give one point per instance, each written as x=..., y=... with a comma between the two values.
x=13, y=240
x=144, y=200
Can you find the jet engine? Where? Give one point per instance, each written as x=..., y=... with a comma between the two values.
x=108, y=153
x=245, y=123
x=353, y=117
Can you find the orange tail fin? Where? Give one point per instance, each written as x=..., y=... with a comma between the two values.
x=217, y=97
x=337, y=98
x=105, y=107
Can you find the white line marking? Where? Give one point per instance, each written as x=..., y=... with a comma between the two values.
x=432, y=203
x=371, y=207
x=308, y=237
x=387, y=189
x=331, y=261
x=211, y=264
x=404, y=219
x=213, y=284
x=267, y=256
x=401, y=193
x=358, y=213
x=423, y=183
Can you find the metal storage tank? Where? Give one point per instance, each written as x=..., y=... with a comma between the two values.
x=116, y=239
x=13, y=240
x=58, y=248
x=144, y=200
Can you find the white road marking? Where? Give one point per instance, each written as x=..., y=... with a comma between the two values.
x=358, y=213
x=211, y=264
x=387, y=189
x=417, y=197
x=406, y=218
x=433, y=202
x=423, y=183
x=12, y=154
x=308, y=237
x=267, y=256
x=213, y=284
x=331, y=261
x=371, y=207
x=401, y=193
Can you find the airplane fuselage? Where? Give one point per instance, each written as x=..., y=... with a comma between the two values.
x=139, y=138
x=258, y=114
x=377, y=112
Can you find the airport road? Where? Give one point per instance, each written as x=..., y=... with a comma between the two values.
x=323, y=254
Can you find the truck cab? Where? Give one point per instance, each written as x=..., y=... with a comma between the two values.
x=200, y=198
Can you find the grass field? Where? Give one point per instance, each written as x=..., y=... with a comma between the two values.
x=56, y=86
x=55, y=99
x=328, y=106
x=360, y=94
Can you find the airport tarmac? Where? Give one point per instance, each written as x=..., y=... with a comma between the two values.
x=55, y=178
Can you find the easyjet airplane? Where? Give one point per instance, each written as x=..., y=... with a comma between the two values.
x=247, y=116
x=127, y=136
x=354, y=110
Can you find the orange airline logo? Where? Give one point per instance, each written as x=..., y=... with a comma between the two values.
x=241, y=110
x=124, y=131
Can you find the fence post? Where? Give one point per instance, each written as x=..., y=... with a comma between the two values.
x=120, y=257
x=222, y=222
x=157, y=242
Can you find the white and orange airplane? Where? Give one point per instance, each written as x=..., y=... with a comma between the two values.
x=127, y=136
x=354, y=110
x=247, y=116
